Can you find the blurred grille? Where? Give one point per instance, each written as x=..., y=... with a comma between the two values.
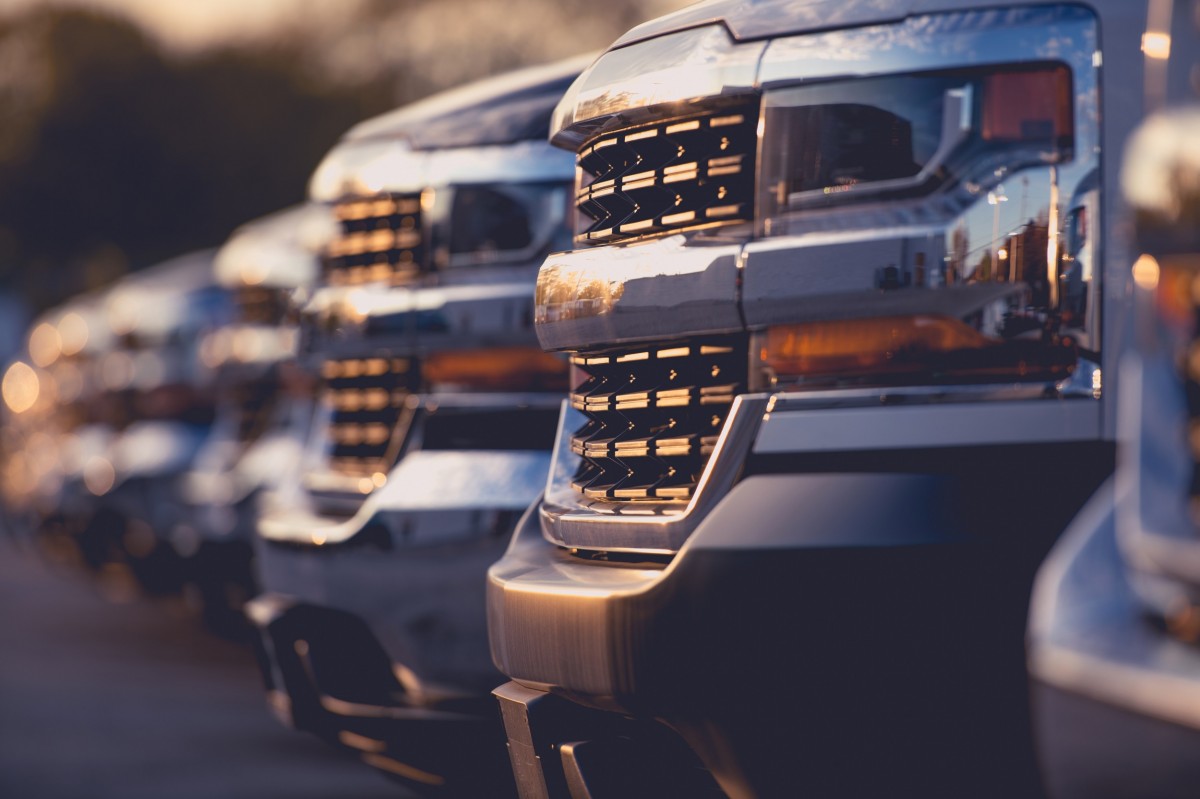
x=380, y=240
x=255, y=401
x=368, y=397
x=668, y=176
x=1189, y=373
x=258, y=305
x=653, y=415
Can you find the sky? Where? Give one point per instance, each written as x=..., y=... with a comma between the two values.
x=193, y=24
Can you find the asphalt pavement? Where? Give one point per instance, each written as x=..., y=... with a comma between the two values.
x=106, y=695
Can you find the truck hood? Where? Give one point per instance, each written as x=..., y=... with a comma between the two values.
x=747, y=20
x=501, y=110
x=756, y=19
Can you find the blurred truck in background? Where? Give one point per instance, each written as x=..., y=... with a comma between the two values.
x=158, y=406
x=106, y=416
x=56, y=422
x=264, y=406
x=438, y=415
x=1115, y=618
x=847, y=298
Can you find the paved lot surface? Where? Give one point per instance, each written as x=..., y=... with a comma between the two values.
x=104, y=695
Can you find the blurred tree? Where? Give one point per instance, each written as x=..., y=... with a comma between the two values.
x=436, y=44
x=116, y=153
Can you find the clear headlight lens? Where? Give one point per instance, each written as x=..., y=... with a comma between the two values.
x=901, y=136
x=939, y=142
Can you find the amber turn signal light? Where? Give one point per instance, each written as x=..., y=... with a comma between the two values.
x=1028, y=105
x=857, y=345
x=498, y=369
x=884, y=349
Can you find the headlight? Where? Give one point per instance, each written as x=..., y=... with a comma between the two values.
x=278, y=251
x=921, y=152
x=507, y=221
x=839, y=142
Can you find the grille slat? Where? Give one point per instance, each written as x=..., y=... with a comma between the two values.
x=381, y=240
x=653, y=415
x=668, y=176
x=368, y=396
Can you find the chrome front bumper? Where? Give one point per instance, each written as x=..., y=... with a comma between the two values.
x=801, y=584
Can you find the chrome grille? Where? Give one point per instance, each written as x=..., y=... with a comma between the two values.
x=653, y=415
x=668, y=176
x=368, y=396
x=381, y=240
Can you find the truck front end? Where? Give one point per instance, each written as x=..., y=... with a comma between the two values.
x=439, y=412
x=842, y=313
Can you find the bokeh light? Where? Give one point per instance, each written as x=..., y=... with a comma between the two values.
x=20, y=387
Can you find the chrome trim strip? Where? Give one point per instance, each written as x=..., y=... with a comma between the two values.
x=666, y=288
x=874, y=396
x=424, y=483
x=1156, y=694
x=505, y=401
x=925, y=426
x=618, y=90
x=394, y=167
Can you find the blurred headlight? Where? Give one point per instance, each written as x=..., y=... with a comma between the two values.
x=364, y=168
